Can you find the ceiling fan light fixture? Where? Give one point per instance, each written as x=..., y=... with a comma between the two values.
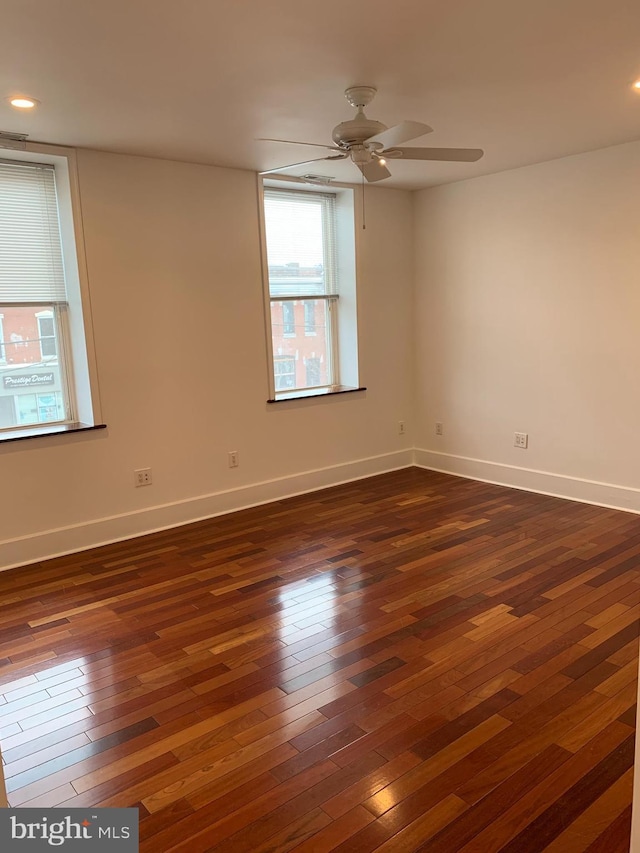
x=360, y=154
x=22, y=102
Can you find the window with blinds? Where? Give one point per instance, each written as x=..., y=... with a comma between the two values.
x=300, y=236
x=34, y=367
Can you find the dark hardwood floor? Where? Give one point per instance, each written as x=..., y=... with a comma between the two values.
x=412, y=662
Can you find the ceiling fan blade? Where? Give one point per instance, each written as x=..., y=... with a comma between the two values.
x=400, y=133
x=340, y=156
x=293, y=142
x=466, y=155
x=374, y=171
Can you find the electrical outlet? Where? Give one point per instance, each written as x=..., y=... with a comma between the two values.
x=234, y=458
x=521, y=439
x=439, y=428
x=142, y=477
x=401, y=429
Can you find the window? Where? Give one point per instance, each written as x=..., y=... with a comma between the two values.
x=47, y=334
x=313, y=368
x=310, y=317
x=44, y=363
x=285, y=373
x=300, y=230
x=40, y=408
x=309, y=258
x=288, y=320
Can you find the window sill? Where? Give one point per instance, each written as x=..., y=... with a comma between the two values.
x=285, y=396
x=39, y=432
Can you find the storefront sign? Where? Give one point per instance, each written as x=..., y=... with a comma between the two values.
x=28, y=380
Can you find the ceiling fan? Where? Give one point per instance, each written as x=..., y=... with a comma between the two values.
x=370, y=143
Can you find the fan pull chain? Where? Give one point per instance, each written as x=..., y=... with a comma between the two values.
x=364, y=221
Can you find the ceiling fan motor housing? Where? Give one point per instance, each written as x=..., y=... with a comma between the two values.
x=356, y=131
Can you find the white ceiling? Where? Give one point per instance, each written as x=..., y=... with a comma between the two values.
x=199, y=80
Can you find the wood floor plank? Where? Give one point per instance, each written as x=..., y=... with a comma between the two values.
x=408, y=662
x=615, y=838
x=265, y=799
x=596, y=818
x=516, y=820
x=336, y=832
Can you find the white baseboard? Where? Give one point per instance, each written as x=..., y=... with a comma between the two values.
x=607, y=495
x=102, y=531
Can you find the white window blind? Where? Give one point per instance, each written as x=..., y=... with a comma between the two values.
x=31, y=267
x=300, y=237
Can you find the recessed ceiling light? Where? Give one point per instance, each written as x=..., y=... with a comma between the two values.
x=21, y=102
x=636, y=85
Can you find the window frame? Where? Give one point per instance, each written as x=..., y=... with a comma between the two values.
x=288, y=322
x=49, y=313
x=290, y=361
x=342, y=347
x=312, y=359
x=310, y=326
x=73, y=328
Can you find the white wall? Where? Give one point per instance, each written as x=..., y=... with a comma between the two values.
x=175, y=279
x=524, y=302
x=528, y=319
